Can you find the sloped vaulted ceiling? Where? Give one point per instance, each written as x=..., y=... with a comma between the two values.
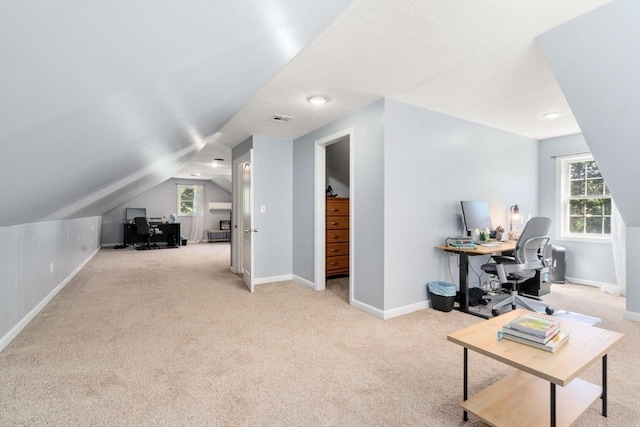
x=102, y=100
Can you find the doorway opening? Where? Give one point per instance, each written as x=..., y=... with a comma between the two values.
x=334, y=214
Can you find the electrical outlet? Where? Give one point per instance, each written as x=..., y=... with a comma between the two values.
x=263, y=209
x=51, y=268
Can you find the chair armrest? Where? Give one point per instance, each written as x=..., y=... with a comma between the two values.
x=501, y=258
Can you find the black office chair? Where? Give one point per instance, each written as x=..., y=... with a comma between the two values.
x=528, y=258
x=143, y=229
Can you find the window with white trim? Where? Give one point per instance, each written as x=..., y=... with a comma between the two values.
x=585, y=200
x=186, y=194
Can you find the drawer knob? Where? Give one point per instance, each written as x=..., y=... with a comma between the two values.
x=333, y=263
x=334, y=237
x=335, y=210
x=335, y=223
x=334, y=250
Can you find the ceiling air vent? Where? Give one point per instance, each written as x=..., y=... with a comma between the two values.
x=281, y=119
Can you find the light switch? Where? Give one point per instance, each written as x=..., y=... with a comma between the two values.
x=263, y=209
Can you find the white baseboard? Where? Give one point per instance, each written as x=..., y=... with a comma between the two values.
x=10, y=336
x=630, y=315
x=304, y=281
x=400, y=311
x=586, y=282
x=272, y=279
x=368, y=309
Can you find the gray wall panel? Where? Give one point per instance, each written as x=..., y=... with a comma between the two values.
x=36, y=260
x=431, y=163
x=367, y=191
x=161, y=201
x=272, y=169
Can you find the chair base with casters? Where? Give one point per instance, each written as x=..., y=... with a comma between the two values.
x=516, y=300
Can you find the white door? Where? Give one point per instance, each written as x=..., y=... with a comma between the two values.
x=247, y=226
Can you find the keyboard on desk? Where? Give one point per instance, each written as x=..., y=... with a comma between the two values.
x=491, y=243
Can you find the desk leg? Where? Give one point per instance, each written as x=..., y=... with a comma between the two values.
x=604, y=385
x=464, y=284
x=465, y=381
x=553, y=405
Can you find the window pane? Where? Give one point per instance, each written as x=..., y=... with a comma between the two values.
x=186, y=207
x=606, y=206
x=576, y=207
x=576, y=170
x=607, y=225
x=577, y=188
x=594, y=225
x=593, y=207
x=186, y=193
x=595, y=187
x=592, y=169
x=576, y=225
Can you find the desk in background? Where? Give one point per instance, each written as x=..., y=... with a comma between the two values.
x=464, y=267
x=170, y=234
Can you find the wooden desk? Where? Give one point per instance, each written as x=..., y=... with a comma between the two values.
x=465, y=253
x=522, y=396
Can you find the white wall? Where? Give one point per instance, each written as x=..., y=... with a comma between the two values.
x=161, y=201
x=596, y=60
x=432, y=162
x=587, y=262
x=337, y=167
x=367, y=191
x=272, y=177
x=36, y=261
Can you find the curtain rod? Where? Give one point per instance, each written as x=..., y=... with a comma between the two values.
x=568, y=155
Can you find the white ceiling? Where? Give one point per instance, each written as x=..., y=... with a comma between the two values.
x=476, y=60
x=102, y=100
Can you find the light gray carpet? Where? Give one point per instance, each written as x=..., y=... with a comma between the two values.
x=171, y=337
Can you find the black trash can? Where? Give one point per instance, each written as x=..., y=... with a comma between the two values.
x=442, y=295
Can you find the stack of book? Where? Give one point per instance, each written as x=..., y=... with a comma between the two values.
x=537, y=331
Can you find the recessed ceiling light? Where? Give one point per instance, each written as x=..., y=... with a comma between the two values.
x=552, y=114
x=318, y=99
x=195, y=174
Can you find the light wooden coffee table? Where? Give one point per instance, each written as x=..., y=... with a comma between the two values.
x=528, y=396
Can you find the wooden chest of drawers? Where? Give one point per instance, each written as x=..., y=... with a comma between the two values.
x=337, y=236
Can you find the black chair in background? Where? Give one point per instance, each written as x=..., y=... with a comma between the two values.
x=143, y=229
x=528, y=258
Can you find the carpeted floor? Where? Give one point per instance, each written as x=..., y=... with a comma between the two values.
x=173, y=338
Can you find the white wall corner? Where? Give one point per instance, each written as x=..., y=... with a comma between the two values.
x=400, y=311
x=5, y=340
x=304, y=282
x=272, y=279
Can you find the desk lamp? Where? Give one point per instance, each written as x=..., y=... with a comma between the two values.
x=514, y=212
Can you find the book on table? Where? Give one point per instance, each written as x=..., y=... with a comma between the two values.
x=551, y=345
x=506, y=330
x=535, y=325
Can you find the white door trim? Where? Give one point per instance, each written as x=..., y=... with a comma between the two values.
x=320, y=208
